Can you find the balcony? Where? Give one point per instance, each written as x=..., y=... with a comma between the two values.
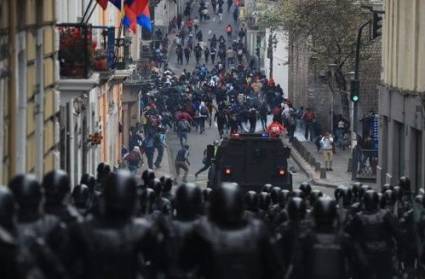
x=85, y=49
x=76, y=51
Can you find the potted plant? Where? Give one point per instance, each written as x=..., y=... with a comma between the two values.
x=76, y=51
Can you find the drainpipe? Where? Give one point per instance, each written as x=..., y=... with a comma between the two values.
x=12, y=90
x=39, y=106
x=2, y=84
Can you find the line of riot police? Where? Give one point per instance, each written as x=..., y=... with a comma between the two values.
x=111, y=227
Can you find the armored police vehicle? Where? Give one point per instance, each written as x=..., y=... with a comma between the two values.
x=251, y=160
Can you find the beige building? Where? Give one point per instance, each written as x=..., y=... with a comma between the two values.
x=402, y=96
x=28, y=99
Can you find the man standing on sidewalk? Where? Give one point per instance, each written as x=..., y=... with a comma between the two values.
x=326, y=142
x=309, y=117
x=182, y=162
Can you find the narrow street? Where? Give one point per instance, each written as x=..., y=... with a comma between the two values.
x=198, y=142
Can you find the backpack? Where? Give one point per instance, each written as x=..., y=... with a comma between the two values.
x=204, y=110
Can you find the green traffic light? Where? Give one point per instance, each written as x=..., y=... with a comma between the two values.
x=355, y=98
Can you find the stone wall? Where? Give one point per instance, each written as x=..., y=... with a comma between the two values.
x=308, y=86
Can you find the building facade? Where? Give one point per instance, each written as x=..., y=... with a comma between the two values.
x=91, y=100
x=28, y=98
x=402, y=94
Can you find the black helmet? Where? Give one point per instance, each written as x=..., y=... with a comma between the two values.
x=388, y=198
x=296, y=209
x=267, y=188
x=284, y=196
x=151, y=175
x=168, y=184
x=315, y=195
x=100, y=168
x=80, y=195
x=120, y=193
x=188, y=201
x=206, y=193
x=419, y=199
x=405, y=185
x=27, y=191
x=274, y=195
x=264, y=201
x=325, y=211
x=305, y=187
x=356, y=189
x=251, y=201
x=363, y=190
x=398, y=193
x=386, y=187
x=7, y=209
x=338, y=192
x=298, y=193
x=157, y=187
x=371, y=200
x=56, y=186
x=145, y=175
x=226, y=207
x=88, y=180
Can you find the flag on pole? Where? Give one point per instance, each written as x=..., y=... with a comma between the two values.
x=145, y=19
x=133, y=9
x=103, y=3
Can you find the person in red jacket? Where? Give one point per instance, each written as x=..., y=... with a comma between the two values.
x=275, y=129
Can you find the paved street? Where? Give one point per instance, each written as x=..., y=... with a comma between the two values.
x=198, y=142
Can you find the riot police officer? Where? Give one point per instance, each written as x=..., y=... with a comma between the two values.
x=109, y=245
x=228, y=246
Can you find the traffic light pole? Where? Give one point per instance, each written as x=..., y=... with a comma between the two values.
x=356, y=78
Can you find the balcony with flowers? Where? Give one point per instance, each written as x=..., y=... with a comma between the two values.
x=86, y=56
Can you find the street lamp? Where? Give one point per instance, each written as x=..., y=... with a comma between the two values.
x=332, y=70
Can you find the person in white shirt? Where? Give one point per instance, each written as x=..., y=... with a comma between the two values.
x=327, y=146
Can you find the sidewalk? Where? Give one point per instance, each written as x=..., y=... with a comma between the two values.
x=339, y=175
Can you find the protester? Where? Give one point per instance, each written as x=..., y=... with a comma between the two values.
x=182, y=162
x=327, y=148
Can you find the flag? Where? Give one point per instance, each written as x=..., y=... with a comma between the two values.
x=103, y=3
x=133, y=9
x=145, y=19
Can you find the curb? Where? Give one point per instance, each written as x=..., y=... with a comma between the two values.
x=308, y=169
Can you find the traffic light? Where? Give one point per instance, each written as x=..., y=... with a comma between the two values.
x=355, y=91
x=377, y=25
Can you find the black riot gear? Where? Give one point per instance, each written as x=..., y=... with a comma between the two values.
x=188, y=202
x=228, y=246
x=264, y=201
x=325, y=212
x=57, y=187
x=120, y=194
x=274, y=195
x=147, y=199
x=251, y=203
x=81, y=198
x=405, y=185
x=7, y=209
x=371, y=200
x=296, y=209
x=27, y=192
x=283, y=198
x=267, y=188
x=109, y=245
x=227, y=207
x=305, y=187
x=323, y=245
